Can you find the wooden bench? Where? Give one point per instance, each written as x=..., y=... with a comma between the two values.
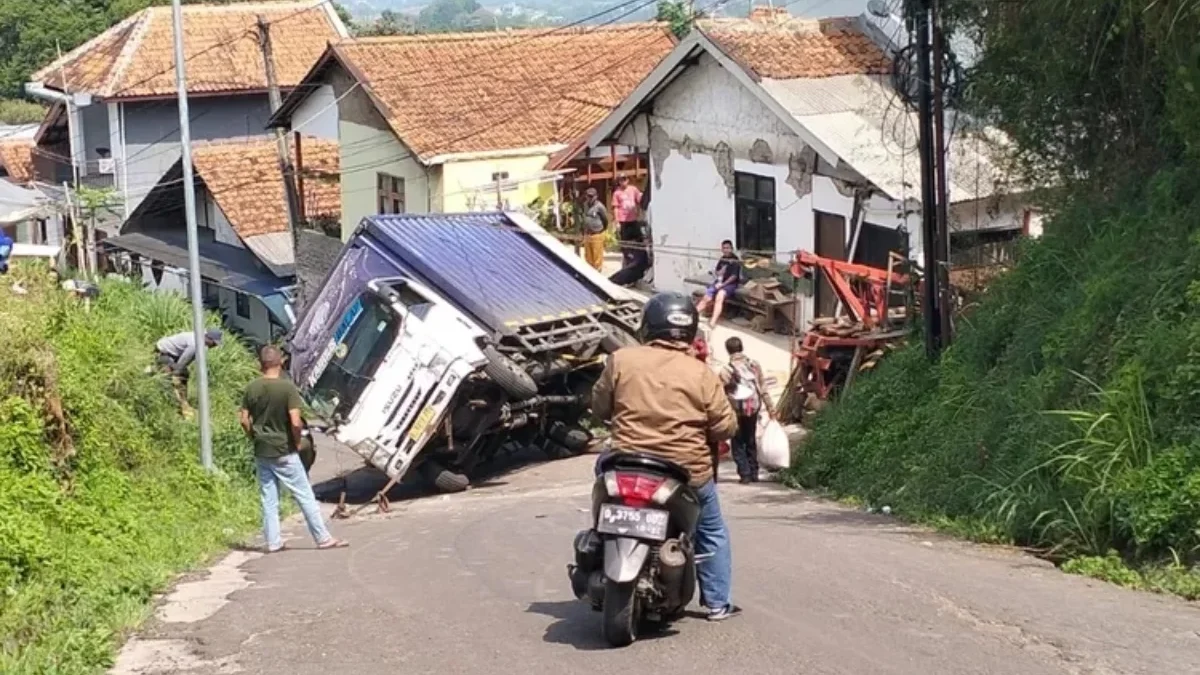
x=762, y=297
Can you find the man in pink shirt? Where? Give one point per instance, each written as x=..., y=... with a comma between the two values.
x=626, y=200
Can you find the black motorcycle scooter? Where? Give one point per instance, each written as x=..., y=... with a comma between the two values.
x=637, y=565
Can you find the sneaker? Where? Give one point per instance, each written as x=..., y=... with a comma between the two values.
x=726, y=612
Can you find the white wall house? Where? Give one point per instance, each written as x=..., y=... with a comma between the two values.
x=786, y=135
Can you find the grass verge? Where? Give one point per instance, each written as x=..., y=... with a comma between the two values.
x=102, y=496
x=1063, y=418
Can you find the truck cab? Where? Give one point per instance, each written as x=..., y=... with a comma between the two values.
x=436, y=341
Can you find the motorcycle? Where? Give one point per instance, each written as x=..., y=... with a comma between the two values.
x=637, y=564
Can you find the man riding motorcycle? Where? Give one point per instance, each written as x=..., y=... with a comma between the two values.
x=663, y=402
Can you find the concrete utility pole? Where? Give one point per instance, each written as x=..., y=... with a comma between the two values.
x=189, y=201
x=285, y=154
x=932, y=297
x=939, y=128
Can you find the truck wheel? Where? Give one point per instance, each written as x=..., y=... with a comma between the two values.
x=444, y=479
x=508, y=375
x=620, y=613
x=616, y=339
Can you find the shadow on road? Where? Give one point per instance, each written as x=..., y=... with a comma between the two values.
x=362, y=484
x=578, y=625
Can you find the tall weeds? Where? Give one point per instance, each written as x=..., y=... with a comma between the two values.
x=101, y=496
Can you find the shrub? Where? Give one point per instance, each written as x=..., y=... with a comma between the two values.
x=1063, y=416
x=102, y=495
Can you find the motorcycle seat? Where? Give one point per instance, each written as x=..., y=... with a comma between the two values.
x=635, y=461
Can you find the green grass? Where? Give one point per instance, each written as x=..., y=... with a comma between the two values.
x=1064, y=417
x=101, y=492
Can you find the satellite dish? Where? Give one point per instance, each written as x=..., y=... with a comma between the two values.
x=879, y=8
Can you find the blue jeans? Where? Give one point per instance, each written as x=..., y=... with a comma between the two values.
x=289, y=472
x=715, y=571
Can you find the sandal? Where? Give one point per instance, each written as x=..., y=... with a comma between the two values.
x=282, y=547
x=332, y=543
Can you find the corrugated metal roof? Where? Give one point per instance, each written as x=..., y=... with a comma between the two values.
x=223, y=264
x=862, y=119
x=486, y=264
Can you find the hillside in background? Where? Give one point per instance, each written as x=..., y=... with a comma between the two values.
x=1063, y=418
x=101, y=491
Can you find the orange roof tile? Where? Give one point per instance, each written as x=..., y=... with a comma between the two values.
x=136, y=57
x=798, y=48
x=474, y=92
x=244, y=180
x=17, y=159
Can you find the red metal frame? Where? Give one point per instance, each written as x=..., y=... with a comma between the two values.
x=863, y=291
x=869, y=305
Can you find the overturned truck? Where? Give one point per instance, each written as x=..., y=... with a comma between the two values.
x=437, y=340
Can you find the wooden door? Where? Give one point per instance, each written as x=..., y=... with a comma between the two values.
x=831, y=243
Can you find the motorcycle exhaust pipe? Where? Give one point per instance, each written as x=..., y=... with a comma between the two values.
x=671, y=562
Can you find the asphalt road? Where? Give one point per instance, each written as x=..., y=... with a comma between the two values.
x=476, y=583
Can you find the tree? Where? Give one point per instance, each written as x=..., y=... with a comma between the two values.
x=388, y=23
x=447, y=15
x=679, y=14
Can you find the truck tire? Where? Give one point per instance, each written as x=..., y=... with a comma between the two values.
x=509, y=376
x=444, y=479
x=616, y=339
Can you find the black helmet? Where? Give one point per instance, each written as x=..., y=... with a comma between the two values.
x=669, y=316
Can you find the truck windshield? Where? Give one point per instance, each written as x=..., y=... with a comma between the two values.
x=356, y=357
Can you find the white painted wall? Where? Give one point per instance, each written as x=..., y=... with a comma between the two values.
x=365, y=153
x=1002, y=213
x=692, y=208
x=318, y=114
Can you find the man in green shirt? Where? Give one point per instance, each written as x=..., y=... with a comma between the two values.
x=270, y=416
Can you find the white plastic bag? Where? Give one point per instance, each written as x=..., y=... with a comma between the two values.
x=773, y=449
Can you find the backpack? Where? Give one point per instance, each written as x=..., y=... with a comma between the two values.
x=744, y=384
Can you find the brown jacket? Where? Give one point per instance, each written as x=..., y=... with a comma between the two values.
x=664, y=402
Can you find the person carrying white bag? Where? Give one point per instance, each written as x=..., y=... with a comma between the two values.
x=743, y=380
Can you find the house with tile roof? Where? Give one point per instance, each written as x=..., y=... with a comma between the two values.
x=27, y=214
x=114, y=116
x=780, y=134
x=246, y=246
x=459, y=122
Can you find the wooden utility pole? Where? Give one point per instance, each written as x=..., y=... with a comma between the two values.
x=300, y=177
x=285, y=154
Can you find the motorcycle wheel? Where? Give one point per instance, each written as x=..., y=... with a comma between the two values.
x=620, y=613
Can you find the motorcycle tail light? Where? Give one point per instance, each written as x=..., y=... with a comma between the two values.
x=638, y=489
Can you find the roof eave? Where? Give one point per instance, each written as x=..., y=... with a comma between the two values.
x=669, y=68
x=282, y=118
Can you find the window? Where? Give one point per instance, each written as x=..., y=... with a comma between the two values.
x=876, y=242
x=243, y=305
x=755, y=215
x=208, y=294
x=391, y=193
x=370, y=330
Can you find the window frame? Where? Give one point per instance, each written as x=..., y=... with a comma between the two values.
x=759, y=207
x=240, y=300
x=389, y=194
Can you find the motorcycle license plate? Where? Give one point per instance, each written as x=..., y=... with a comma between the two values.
x=626, y=521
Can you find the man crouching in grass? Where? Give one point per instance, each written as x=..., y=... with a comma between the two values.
x=270, y=416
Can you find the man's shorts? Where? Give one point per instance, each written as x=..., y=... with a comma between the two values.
x=711, y=291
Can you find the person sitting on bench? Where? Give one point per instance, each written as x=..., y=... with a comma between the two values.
x=726, y=277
